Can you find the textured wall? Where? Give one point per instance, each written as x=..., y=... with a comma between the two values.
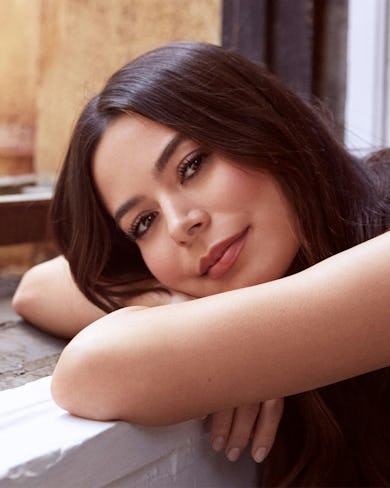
x=19, y=41
x=83, y=42
x=19, y=67
x=55, y=54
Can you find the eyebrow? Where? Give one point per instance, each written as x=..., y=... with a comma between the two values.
x=158, y=168
x=168, y=151
x=125, y=207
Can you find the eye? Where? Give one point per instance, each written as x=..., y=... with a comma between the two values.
x=190, y=166
x=141, y=225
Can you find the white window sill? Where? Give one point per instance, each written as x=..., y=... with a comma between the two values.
x=44, y=446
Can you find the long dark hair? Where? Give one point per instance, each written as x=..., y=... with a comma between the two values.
x=238, y=109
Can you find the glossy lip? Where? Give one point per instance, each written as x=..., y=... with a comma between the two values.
x=234, y=244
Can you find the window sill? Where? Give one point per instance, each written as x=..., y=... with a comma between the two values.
x=45, y=446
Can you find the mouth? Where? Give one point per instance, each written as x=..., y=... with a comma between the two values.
x=223, y=255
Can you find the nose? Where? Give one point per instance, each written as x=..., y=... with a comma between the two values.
x=185, y=221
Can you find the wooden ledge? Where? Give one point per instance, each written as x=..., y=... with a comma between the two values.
x=23, y=217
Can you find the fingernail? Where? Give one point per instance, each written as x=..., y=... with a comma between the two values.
x=260, y=454
x=218, y=443
x=233, y=454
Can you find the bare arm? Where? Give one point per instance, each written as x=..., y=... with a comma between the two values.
x=48, y=297
x=163, y=365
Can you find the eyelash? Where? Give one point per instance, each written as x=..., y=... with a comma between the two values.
x=147, y=219
x=197, y=158
x=134, y=232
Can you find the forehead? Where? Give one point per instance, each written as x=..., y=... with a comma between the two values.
x=129, y=148
x=132, y=134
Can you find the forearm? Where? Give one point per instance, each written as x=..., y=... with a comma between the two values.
x=171, y=363
x=48, y=297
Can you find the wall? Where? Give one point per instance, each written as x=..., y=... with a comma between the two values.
x=19, y=67
x=84, y=42
x=55, y=54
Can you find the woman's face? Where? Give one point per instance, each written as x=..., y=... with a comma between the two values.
x=204, y=225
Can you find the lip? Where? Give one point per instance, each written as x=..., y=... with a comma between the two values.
x=223, y=255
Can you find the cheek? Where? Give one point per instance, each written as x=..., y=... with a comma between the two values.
x=227, y=186
x=163, y=266
x=237, y=185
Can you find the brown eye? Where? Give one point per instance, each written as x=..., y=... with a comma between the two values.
x=141, y=225
x=190, y=166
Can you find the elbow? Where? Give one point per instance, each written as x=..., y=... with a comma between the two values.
x=24, y=300
x=99, y=380
x=77, y=385
x=63, y=388
x=88, y=382
x=18, y=302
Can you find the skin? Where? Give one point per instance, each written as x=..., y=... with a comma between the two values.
x=195, y=202
x=48, y=297
x=320, y=326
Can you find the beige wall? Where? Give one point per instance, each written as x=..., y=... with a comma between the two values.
x=84, y=41
x=19, y=67
x=56, y=53
x=19, y=60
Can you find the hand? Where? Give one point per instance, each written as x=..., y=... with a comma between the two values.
x=232, y=429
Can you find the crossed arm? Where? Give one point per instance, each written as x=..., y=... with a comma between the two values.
x=325, y=324
x=48, y=297
x=320, y=326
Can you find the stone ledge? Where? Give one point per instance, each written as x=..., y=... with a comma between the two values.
x=8, y=285
x=26, y=353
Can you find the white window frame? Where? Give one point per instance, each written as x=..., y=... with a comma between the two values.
x=367, y=112
x=44, y=446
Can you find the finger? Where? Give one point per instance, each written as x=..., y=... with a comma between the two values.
x=266, y=428
x=243, y=424
x=221, y=423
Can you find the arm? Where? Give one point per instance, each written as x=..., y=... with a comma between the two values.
x=48, y=297
x=162, y=365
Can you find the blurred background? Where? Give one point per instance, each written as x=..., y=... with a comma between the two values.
x=56, y=54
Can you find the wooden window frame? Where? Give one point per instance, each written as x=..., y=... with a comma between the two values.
x=23, y=218
x=304, y=42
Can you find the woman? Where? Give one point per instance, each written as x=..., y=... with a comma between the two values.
x=196, y=172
